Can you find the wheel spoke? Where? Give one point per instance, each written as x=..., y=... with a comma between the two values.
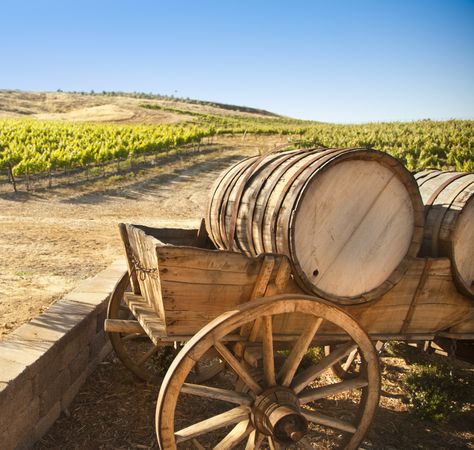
x=331, y=422
x=236, y=435
x=349, y=360
x=216, y=393
x=255, y=329
x=332, y=389
x=209, y=371
x=213, y=423
x=148, y=355
x=129, y=337
x=304, y=443
x=307, y=376
x=268, y=357
x=255, y=440
x=238, y=368
x=301, y=346
x=198, y=445
x=273, y=444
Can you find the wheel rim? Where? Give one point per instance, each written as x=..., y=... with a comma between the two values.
x=136, y=351
x=250, y=412
x=139, y=354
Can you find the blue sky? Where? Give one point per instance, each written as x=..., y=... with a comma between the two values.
x=334, y=61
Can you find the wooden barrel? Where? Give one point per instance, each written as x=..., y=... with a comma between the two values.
x=449, y=221
x=350, y=220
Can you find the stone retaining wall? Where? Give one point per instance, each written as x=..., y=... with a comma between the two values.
x=43, y=363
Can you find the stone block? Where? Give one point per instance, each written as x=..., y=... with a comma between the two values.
x=20, y=426
x=15, y=396
x=114, y=271
x=10, y=370
x=73, y=389
x=97, y=344
x=101, y=316
x=54, y=391
x=45, y=422
x=78, y=339
x=41, y=329
x=67, y=312
x=96, y=285
x=93, y=300
x=21, y=351
x=79, y=364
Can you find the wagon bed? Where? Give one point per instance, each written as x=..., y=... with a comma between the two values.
x=180, y=283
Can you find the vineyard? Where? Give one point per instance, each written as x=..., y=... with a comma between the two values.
x=33, y=147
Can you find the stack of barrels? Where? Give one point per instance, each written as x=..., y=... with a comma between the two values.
x=449, y=222
x=350, y=220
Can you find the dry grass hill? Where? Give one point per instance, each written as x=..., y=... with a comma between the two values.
x=111, y=107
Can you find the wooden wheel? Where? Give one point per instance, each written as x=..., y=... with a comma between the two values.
x=349, y=367
x=135, y=349
x=266, y=397
x=138, y=353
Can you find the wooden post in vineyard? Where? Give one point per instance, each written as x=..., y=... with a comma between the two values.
x=11, y=176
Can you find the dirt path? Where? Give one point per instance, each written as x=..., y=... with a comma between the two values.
x=51, y=240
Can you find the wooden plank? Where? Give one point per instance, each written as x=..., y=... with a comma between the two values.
x=131, y=268
x=439, y=305
x=199, y=258
x=152, y=324
x=421, y=285
x=263, y=278
x=204, y=276
x=123, y=326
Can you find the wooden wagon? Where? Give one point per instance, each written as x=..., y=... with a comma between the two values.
x=246, y=332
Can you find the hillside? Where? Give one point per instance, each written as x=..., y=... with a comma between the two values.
x=113, y=107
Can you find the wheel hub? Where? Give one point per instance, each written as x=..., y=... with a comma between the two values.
x=276, y=412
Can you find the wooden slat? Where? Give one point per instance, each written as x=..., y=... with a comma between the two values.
x=146, y=316
x=411, y=307
x=123, y=326
x=205, y=259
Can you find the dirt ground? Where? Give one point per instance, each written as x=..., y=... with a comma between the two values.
x=114, y=410
x=52, y=239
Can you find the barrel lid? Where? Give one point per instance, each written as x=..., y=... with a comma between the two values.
x=355, y=224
